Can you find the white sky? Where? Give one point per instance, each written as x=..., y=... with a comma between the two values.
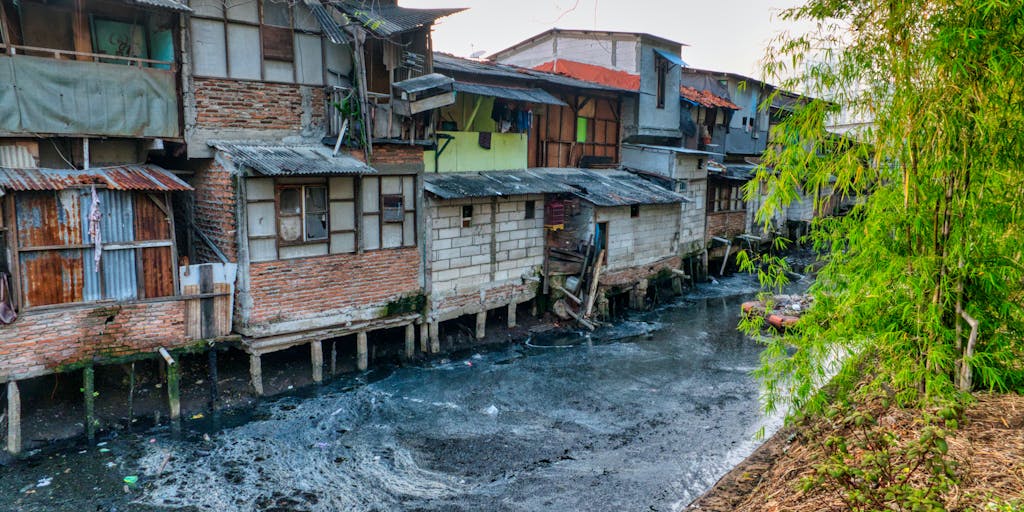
x=723, y=35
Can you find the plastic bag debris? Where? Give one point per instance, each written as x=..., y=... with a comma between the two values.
x=131, y=479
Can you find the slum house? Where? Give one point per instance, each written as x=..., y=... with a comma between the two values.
x=746, y=127
x=295, y=181
x=684, y=171
x=633, y=61
x=524, y=118
x=501, y=239
x=89, y=273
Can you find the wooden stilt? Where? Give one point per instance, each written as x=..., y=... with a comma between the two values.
x=174, y=394
x=481, y=325
x=131, y=396
x=512, y=314
x=256, y=374
x=88, y=391
x=316, y=354
x=13, y=418
x=362, y=361
x=214, y=379
x=435, y=338
x=410, y=341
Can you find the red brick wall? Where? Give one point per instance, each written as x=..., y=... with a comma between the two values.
x=726, y=224
x=630, y=276
x=39, y=342
x=225, y=103
x=392, y=154
x=214, y=211
x=296, y=289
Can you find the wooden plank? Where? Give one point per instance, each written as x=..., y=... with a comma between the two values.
x=209, y=328
x=595, y=277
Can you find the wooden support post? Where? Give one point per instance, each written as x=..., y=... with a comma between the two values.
x=435, y=338
x=334, y=358
x=131, y=396
x=481, y=324
x=512, y=314
x=595, y=280
x=316, y=355
x=13, y=418
x=425, y=337
x=88, y=389
x=410, y=341
x=362, y=359
x=211, y=359
x=174, y=394
x=256, y=374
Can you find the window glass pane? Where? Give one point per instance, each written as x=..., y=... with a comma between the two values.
x=393, y=210
x=290, y=203
x=316, y=226
x=316, y=199
x=291, y=229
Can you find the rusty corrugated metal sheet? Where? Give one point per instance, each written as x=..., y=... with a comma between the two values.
x=292, y=160
x=122, y=177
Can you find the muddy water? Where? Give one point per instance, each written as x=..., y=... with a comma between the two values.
x=643, y=416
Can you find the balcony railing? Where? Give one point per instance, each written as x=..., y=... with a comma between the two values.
x=15, y=49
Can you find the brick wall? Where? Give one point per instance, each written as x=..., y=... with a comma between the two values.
x=629, y=276
x=39, y=342
x=635, y=241
x=302, y=288
x=392, y=154
x=214, y=210
x=461, y=257
x=726, y=224
x=253, y=105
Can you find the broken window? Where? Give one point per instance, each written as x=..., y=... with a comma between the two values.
x=389, y=212
x=302, y=214
x=393, y=211
x=467, y=215
x=531, y=210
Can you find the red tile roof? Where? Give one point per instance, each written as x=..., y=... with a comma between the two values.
x=623, y=80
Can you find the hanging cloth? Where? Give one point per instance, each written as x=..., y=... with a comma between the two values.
x=7, y=312
x=94, y=229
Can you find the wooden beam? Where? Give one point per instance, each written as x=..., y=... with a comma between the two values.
x=13, y=418
x=174, y=395
x=569, y=294
x=593, y=284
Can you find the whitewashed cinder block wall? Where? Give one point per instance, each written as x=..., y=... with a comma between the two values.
x=467, y=259
x=635, y=241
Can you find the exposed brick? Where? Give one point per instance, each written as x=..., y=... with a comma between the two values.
x=226, y=103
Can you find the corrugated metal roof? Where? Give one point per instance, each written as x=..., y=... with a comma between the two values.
x=162, y=4
x=327, y=24
x=490, y=184
x=451, y=64
x=387, y=20
x=423, y=83
x=297, y=160
x=673, y=149
x=510, y=93
x=602, y=188
x=122, y=177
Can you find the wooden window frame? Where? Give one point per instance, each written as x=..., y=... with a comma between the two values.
x=379, y=213
x=301, y=187
x=467, y=220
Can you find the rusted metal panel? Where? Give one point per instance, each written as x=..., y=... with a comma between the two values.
x=48, y=219
x=119, y=272
x=123, y=177
x=158, y=272
x=51, y=277
x=150, y=221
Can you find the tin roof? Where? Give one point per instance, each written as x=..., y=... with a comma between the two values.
x=121, y=177
x=327, y=23
x=456, y=65
x=387, y=20
x=531, y=95
x=423, y=83
x=672, y=149
x=297, y=160
x=171, y=5
x=601, y=188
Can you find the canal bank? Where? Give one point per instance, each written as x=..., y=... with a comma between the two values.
x=646, y=415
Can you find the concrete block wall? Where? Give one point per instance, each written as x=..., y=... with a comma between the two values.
x=497, y=248
x=632, y=242
x=322, y=286
x=43, y=341
x=692, y=218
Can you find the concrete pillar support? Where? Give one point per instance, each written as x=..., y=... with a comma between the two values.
x=316, y=356
x=256, y=373
x=435, y=338
x=13, y=418
x=425, y=337
x=174, y=396
x=512, y=314
x=88, y=392
x=410, y=341
x=481, y=324
x=362, y=358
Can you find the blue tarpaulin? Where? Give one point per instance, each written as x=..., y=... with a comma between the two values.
x=671, y=57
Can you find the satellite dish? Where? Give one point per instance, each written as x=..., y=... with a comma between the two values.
x=477, y=54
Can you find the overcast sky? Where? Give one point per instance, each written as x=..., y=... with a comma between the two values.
x=724, y=35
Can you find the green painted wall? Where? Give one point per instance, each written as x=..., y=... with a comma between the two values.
x=508, y=151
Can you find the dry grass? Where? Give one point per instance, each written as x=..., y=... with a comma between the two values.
x=988, y=449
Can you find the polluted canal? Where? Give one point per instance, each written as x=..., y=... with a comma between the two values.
x=645, y=415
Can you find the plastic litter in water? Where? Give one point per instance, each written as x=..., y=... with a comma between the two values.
x=197, y=416
x=491, y=410
x=131, y=479
x=45, y=481
x=104, y=450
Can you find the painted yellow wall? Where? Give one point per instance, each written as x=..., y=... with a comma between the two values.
x=508, y=151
